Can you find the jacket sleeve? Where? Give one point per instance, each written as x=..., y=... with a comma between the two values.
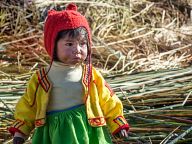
x=111, y=105
x=25, y=109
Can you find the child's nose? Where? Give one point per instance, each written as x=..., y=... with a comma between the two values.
x=77, y=49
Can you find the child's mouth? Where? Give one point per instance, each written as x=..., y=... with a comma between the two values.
x=77, y=59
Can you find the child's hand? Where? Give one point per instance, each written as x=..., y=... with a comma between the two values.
x=18, y=140
x=122, y=134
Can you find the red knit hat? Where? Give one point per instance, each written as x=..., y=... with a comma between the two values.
x=63, y=20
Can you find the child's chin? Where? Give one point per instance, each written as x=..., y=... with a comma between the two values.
x=72, y=62
x=76, y=62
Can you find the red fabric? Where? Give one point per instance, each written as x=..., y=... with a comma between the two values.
x=63, y=20
x=13, y=130
x=126, y=127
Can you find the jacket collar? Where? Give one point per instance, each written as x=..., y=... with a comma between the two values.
x=46, y=84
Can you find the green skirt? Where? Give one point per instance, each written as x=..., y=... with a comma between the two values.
x=70, y=127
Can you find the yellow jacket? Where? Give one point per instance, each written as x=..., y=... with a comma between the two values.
x=102, y=105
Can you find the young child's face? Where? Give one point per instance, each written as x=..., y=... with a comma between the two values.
x=72, y=51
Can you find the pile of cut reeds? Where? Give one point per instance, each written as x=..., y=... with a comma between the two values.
x=21, y=43
x=11, y=89
x=157, y=104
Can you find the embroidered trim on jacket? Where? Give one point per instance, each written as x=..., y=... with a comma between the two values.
x=43, y=79
x=120, y=120
x=110, y=89
x=99, y=121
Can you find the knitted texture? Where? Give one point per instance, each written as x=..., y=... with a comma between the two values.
x=63, y=20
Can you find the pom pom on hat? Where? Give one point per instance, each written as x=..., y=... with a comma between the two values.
x=71, y=6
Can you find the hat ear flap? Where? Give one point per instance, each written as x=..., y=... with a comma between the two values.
x=71, y=6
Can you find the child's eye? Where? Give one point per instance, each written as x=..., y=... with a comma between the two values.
x=69, y=44
x=83, y=43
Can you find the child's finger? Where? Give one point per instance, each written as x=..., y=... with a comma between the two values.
x=124, y=133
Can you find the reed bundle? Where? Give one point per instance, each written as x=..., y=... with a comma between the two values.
x=156, y=104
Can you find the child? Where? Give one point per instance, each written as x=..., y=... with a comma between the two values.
x=69, y=102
